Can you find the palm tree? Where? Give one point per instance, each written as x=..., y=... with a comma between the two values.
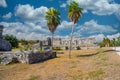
x=74, y=13
x=53, y=20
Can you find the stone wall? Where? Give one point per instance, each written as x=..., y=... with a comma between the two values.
x=76, y=42
x=25, y=57
x=5, y=45
x=1, y=30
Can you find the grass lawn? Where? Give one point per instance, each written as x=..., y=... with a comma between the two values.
x=95, y=64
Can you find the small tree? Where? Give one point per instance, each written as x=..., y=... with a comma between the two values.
x=53, y=20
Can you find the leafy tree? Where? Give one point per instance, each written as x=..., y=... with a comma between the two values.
x=12, y=39
x=53, y=20
x=23, y=42
x=107, y=43
x=74, y=13
x=118, y=41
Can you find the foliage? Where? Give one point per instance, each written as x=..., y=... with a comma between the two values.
x=110, y=43
x=27, y=47
x=23, y=42
x=26, y=42
x=12, y=39
x=57, y=48
x=74, y=11
x=118, y=41
x=53, y=20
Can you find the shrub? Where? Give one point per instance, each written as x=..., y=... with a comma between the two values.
x=57, y=48
x=12, y=39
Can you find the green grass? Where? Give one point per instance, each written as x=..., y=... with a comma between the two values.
x=96, y=73
x=118, y=64
x=101, y=59
x=33, y=77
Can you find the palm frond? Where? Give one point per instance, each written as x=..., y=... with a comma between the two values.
x=74, y=11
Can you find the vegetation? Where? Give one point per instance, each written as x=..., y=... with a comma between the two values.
x=110, y=43
x=26, y=42
x=53, y=20
x=118, y=41
x=12, y=39
x=74, y=13
x=57, y=48
x=96, y=73
x=32, y=77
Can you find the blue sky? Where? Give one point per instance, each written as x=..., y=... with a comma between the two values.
x=25, y=18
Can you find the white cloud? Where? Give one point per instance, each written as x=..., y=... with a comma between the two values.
x=113, y=36
x=63, y=5
x=7, y=16
x=98, y=37
x=118, y=13
x=27, y=30
x=29, y=13
x=3, y=3
x=64, y=25
x=99, y=7
x=92, y=27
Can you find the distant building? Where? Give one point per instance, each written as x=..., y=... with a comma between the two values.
x=77, y=43
x=46, y=42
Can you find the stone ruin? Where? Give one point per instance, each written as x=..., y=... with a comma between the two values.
x=4, y=45
x=28, y=57
x=32, y=56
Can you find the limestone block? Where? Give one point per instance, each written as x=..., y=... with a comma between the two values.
x=5, y=45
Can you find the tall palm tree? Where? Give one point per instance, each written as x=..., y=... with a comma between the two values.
x=53, y=20
x=74, y=13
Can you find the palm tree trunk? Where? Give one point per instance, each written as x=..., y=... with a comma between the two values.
x=52, y=41
x=71, y=40
x=115, y=45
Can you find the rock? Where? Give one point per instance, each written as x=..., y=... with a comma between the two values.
x=5, y=45
x=25, y=57
x=8, y=58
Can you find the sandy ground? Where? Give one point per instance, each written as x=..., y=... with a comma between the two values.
x=84, y=65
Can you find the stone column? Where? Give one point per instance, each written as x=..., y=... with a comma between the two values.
x=1, y=30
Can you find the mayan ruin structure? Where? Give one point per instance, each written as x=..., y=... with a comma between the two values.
x=77, y=43
x=4, y=45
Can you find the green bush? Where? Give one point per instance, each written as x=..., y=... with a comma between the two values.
x=12, y=39
x=57, y=48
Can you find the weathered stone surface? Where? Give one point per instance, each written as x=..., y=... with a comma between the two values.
x=26, y=57
x=5, y=45
x=8, y=58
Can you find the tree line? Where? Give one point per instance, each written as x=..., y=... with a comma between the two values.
x=106, y=42
x=15, y=42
